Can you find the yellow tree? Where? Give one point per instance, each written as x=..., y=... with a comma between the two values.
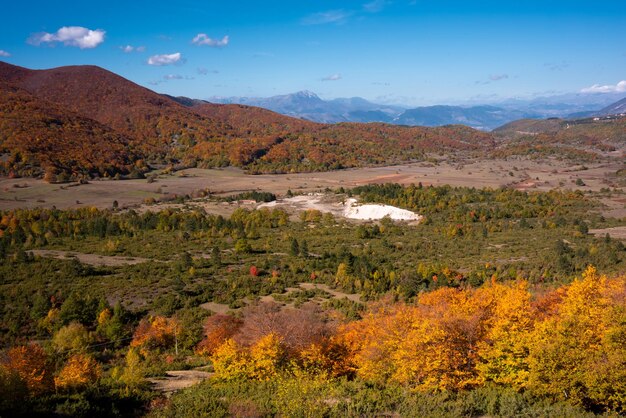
x=266, y=357
x=579, y=353
x=330, y=357
x=79, y=371
x=342, y=277
x=439, y=352
x=365, y=346
x=104, y=317
x=504, y=350
x=230, y=361
x=133, y=372
x=431, y=346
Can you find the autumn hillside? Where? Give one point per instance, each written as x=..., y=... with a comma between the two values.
x=39, y=133
x=157, y=128
x=84, y=121
x=592, y=136
x=151, y=120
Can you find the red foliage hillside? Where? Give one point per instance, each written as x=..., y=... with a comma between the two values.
x=43, y=138
x=115, y=113
x=154, y=122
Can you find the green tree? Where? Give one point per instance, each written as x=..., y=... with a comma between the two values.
x=294, y=247
x=242, y=246
x=72, y=337
x=216, y=256
x=304, y=249
x=79, y=307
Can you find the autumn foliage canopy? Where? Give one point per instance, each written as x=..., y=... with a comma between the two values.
x=565, y=344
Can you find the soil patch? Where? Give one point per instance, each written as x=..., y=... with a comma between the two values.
x=336, y=293
x=218, y=308
x=618, y=232
x=91, y=259
x=178, y=379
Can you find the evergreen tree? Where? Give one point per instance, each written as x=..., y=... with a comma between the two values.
x=294, y=247
x=304, y=249
x=216, y=256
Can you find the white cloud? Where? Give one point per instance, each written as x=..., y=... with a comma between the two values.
x=168, y=77
x=332, y=77
x=498, y=77
x=203, y=39
x=597, y=88
x=129, y=48
x=4, y=53
x=331, y=16
x=78, y=36
x=492, y=78
x=164, y=59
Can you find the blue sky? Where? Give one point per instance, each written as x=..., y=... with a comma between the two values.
x=412, y=52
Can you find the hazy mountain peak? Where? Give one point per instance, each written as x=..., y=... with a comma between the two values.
x=306, y=94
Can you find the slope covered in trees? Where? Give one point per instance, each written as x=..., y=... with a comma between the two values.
x=159, y=129
x=156, y=128
x=585, y=138
x=45, y=139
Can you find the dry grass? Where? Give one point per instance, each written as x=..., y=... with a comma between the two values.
x=178, y=379
x=520, y=173
x=91, y=259
x=618, y=232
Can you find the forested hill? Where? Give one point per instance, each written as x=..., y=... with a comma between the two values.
x=84, y=121
x=91, y=109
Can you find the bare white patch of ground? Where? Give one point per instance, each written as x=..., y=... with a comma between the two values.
x=349, y=208
x=376, y=211
x=218, y=308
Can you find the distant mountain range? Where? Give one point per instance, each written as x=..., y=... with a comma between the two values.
x=617, y=108
x=478, y=117
x=307, y=105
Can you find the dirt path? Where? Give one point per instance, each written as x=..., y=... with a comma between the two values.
x=218, y=308
x=178, y=379
x=337, y=294
x=91, y=259
x=618, y=232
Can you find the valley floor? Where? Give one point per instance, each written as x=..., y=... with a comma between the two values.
x=519, y=173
